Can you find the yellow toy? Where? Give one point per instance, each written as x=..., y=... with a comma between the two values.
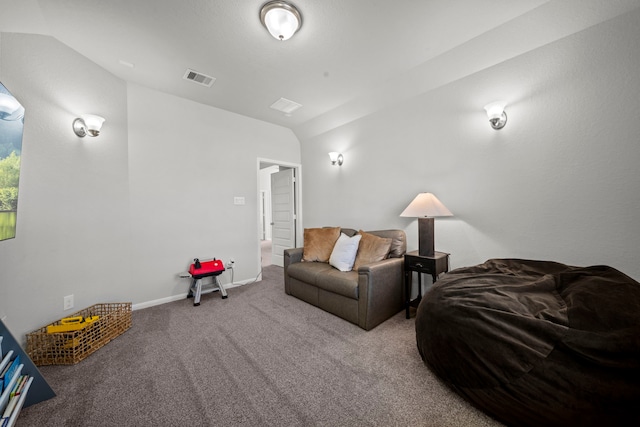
x=70, y=324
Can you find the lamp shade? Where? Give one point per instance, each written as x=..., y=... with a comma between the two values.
x=426, y=205
x=495, y=109
x=336, y=158
x=93, y=123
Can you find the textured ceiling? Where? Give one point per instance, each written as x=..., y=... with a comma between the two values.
x=350, y=57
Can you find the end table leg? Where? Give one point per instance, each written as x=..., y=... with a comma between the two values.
x=407, y=291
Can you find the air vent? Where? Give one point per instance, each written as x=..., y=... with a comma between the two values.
x=285, y=105
x=199, y=78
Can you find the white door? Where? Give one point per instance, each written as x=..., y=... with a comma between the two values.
x=283, y=219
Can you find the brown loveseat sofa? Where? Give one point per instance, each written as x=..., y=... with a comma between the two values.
x=366, y=297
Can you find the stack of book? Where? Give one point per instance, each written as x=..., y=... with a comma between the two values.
x=14, y=387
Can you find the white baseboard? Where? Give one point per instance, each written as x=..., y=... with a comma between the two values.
x=147, y=304
x=155, y=302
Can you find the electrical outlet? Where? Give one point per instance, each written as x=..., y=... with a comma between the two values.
x=68, y=302
x=231, y=262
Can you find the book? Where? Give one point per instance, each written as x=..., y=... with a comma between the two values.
x=13, y=378
x=15, y=405
x=9, y=409
x=4, y=367
x=18, y=386
x=8, y=376
x=5, y=361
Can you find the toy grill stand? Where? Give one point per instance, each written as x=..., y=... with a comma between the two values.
x=205, y=269
x=197, y=290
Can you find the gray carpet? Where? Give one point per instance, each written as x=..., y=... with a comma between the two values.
x=258, y=358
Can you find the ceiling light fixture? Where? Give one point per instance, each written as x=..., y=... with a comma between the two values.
x=281, y=19
x=88, y=124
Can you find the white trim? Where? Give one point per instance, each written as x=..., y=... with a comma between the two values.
x=160, y=301
x=298, y=194
x=147, y=304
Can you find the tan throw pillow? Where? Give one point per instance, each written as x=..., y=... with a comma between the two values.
x=371, y=249
x=319, y=242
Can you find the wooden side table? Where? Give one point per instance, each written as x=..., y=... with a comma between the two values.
x=435, y=265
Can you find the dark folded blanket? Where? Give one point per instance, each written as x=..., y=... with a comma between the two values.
x=536, y=342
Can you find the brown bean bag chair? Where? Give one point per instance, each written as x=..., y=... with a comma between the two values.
x=537, y=343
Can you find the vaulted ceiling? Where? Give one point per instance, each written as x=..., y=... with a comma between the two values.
x=349, y=58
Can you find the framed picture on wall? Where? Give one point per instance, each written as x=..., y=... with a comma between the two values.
x=11, y=128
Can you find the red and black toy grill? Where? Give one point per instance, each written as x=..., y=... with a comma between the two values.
x=201, y=269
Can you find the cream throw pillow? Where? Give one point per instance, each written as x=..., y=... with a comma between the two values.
x=372, y=249
x=319, y=242
x=344, y=252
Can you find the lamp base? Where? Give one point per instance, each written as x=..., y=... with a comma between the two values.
x=426, y=237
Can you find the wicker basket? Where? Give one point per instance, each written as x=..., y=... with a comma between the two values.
x=68, y=348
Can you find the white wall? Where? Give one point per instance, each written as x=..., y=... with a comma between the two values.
x=116, y=218
x=73, y=230
x=187, y=163
x=559, y=182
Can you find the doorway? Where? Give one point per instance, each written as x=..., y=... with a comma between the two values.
x=279, y=216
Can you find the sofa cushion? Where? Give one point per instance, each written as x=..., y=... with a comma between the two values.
x=319, y=242
x=344, y=252
x=308, y=272
x=323, y=276
x=343, y=283
x=372, y=249
x=398, y=241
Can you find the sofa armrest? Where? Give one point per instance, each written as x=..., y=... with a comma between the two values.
x=291, y=256
x=380, y=291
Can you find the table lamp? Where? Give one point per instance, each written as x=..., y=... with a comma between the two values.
x=425, y=207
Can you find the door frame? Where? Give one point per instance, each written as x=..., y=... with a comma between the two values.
x=297, y=205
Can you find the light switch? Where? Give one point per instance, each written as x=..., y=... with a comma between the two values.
x=238, y=200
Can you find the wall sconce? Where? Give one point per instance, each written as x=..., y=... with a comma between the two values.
x=336, y=158
x=497, y=116
x=88, y=124
x=281, y=19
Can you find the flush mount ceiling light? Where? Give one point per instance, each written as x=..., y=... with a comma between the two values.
x=88, y=124
x=281, y=19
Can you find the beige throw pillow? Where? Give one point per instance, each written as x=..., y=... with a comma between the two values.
x=319, y=242
x=371, y=249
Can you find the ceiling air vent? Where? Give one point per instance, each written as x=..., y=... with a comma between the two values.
x=199, y=78
x=286, y=106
